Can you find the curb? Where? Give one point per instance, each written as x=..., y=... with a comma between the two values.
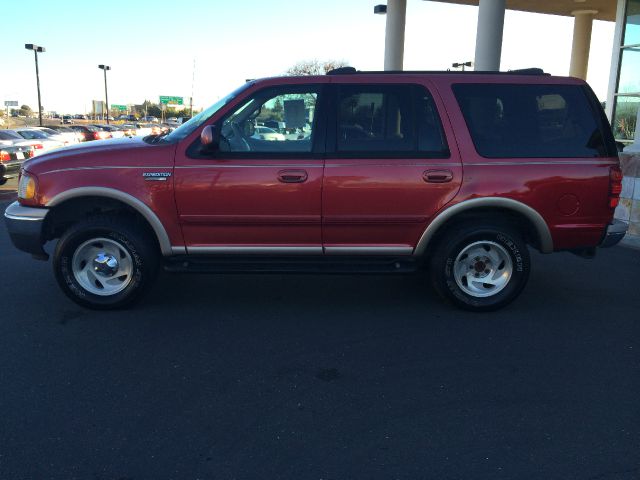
x=631, y=241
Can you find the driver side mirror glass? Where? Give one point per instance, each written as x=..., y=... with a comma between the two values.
x=209, y=139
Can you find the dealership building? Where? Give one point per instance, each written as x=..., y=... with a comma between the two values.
x=623, y=95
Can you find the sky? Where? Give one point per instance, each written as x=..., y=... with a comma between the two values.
x=151, y=46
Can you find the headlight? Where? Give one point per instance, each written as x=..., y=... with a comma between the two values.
x=26, y=187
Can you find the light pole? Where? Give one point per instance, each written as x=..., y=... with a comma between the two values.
x=106, y=96
x=36, y=49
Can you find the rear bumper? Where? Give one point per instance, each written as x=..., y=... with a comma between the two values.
x=24, y=225
x=10, y=169
x=615, y=232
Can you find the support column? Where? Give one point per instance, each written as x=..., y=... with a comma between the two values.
x=394, y=34
x=582, y=24
x=489, y=35
x=615, y=57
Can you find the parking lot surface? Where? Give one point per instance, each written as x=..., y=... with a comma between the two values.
x=323, y=377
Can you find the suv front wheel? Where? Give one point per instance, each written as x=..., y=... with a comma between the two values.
x=105, y=262
x=480, y=267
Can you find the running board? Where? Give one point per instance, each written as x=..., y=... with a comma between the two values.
x=293, y=264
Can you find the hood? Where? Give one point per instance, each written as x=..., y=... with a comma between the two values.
x=125, y=152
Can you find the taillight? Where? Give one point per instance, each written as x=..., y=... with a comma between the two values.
x=38, y=146
x=4, y=156
x=615, y=186
x=96, y=135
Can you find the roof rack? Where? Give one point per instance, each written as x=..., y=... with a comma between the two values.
x=522, y=71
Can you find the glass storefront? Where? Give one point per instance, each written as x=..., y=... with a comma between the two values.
x=627, y=96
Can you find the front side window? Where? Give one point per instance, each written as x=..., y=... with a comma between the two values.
x=274, y=120
x=531, y=121
x=395, y=119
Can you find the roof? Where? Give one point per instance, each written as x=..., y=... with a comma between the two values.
x=606, y=8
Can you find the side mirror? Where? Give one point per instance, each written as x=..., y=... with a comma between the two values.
x=209, y=139
x=620, y=146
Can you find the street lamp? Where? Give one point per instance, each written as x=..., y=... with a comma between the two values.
x=461, y=64
x=36, y=49
x=106, y=97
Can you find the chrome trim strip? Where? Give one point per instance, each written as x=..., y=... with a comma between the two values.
x=553, y=162
x=178, y=250
x=316, y=250
x=104, y=167
x=288, y=165
x=373, y=164
x=393, y=250
x=15, y=211
x=544, y=235
x=141, y=208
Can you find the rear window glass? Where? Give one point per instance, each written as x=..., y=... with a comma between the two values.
x=531, y=121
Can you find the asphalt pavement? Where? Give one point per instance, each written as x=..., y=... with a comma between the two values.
x=323, y=377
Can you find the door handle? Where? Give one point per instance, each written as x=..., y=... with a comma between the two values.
x=292, y=176
x=437, y=176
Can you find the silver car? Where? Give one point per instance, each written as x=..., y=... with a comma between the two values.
x=41, y=138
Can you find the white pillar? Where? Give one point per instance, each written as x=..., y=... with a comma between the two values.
x=615, y=57
x=394, y=34
x=582, y=23
x=489, y=34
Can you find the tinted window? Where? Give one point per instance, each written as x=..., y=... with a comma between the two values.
x=535, y=121
x=388, y=118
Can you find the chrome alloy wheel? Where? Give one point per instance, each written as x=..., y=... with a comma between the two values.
x=482, y=269
x=102, y=266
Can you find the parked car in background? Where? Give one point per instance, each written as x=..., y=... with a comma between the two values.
x=115, y=130
x=128, y=118
x=266, y=133
x=67, y=131
x=129, y=129
x=42, y=138
x=150, y=118
x=67, y=119
x=11, y=159
x=11, y=138
x=103, y=131
x=89, y=132
x=65, y=138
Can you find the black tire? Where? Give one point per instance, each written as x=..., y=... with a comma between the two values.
x=504, y=240
x=137, y=246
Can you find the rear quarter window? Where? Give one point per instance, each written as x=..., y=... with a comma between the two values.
x=532, y=121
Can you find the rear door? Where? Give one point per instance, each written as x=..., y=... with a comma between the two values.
x=391, y=165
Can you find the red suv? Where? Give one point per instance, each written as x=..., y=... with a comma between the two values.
x=459, y=173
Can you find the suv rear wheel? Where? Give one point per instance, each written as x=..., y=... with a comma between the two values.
x=480, y=267
x=105, y=262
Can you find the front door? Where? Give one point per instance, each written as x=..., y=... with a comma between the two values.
x=389, y=167
x=260, y=191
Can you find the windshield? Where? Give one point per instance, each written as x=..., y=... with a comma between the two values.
x=32, y=134
x=189, y=127
x=9, y=135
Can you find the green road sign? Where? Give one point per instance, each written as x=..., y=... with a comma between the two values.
x=122, y=108
x=171, y=100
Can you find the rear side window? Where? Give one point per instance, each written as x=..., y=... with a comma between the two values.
x=531, y=121
x=388, y=119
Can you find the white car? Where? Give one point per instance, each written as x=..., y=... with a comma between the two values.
x=12, y=139
x=42, y=138
x=266, y=133
x=62, y=136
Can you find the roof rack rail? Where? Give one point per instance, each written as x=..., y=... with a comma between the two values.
x=521, y=71
x=342, y=71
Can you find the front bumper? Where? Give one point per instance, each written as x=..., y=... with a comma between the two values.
x=24, y=225
x=615, y=231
